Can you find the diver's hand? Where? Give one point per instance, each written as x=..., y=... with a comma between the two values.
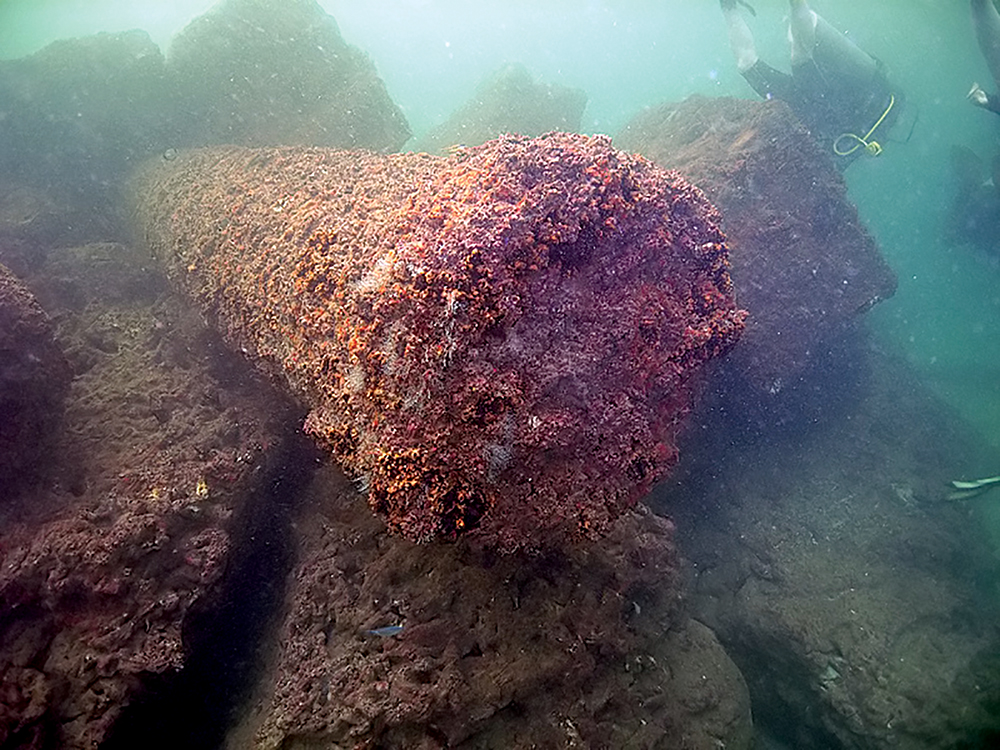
x=977, y=96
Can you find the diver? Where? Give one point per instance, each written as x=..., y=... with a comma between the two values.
x=986, y=22
x=837, y=90
x=974, y=218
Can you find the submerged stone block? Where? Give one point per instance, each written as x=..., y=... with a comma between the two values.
x=78, y=115
x=859, y=603
x=503, y=340
x=260, y=73
x=34, y=378
x=804, y=266
x=162, y=457
x=586, y=646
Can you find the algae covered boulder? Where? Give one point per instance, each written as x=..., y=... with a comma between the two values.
x=261, y=73
x=78, y=115
x=804, y=265
x=508, y=101
x=504, y=340
x=587, y=646
x=160, y=456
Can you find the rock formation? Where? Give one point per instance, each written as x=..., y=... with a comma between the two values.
x=504, y=340
x=268, y=74
x=34, y=378
x=803, y=264
x=508, y=101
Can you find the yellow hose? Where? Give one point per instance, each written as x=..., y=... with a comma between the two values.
x=872, y=147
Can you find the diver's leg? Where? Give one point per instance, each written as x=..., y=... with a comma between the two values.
x=802, y=32
x=986, y=22
x=740, y=36
x=984, y=99
x=765, y=80
x=839, y=59
x=770, y=83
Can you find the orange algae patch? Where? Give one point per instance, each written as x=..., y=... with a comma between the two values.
x=501, y=341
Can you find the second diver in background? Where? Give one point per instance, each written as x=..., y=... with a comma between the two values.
x=838, y=91
x=974, y=218
x=986, y=22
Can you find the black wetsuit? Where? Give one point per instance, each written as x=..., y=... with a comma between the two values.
x=992, y=102
x=830, y=108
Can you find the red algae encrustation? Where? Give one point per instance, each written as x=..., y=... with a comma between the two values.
x=503, y=339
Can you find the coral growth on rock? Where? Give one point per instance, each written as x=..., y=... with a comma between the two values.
x=852, y=599
x=159, y=450
x=503, y=340
x=77, y=116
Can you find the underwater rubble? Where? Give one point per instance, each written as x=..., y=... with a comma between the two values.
x=299, y=82
x=130, y=521
x=79, y=115
x=587, y=646
x=34, y=378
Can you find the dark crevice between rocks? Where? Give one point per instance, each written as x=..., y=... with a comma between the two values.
x=835, y=378
x=195, y=707
x=783, y=699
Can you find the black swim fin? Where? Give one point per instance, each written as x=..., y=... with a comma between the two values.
x=967, y=169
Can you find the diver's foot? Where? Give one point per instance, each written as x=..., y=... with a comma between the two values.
x=977, y=96
x=727, y=5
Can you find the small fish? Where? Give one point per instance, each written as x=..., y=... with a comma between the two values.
x=387, y=632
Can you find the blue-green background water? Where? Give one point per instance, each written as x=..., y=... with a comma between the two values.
x=945, y=317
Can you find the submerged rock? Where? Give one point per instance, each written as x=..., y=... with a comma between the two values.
x=34, y=380
x=107, y=562
x=974, y=215
x=860, y=605
x=803, y=264
x=582, y=647
x=78, y=115
x=501, y=342
x=508, y=101
x=270, y=73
